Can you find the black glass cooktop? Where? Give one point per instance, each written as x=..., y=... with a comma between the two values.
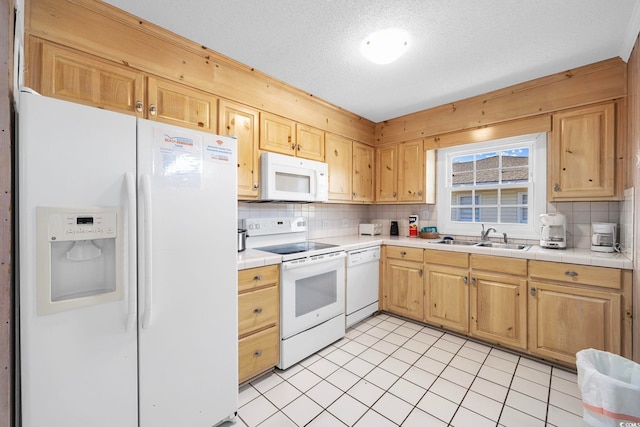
x=294, y=248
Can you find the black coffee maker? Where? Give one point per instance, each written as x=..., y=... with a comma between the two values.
x=394, y=228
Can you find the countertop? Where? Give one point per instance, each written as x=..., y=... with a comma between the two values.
x=251, y=258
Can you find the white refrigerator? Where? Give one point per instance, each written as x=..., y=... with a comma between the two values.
x=126, y=248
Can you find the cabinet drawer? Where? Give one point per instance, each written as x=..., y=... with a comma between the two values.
x=257, y=310
x=257, y=353
x=259, y=277
x=401, y=252
x=498, y=264
x=453, y=259
x=577, y=274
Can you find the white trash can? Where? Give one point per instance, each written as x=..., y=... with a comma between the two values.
x=610, y=387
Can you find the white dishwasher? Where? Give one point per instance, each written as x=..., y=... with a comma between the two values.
x=363, y=272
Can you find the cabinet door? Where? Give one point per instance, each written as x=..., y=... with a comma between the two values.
x=310, y=143
x=564, y=320
x=277, y=134
x=339, y=159
x=387, y=173
x=180, y=105
x=258, y=353
x=242, y=122
x=403, y=291
x=446, y=300
x=363, y=158
x=78, y=77
x=499, y=309
x=411, y=172
x=582, y=154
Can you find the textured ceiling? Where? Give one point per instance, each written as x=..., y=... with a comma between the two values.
x=457, y=48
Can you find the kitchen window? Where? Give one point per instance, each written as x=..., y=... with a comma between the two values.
x=499, y=183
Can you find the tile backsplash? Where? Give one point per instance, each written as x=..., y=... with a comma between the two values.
x=333, y=220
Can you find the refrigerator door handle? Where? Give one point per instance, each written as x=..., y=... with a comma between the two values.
x=131, y=280
x=147, y=256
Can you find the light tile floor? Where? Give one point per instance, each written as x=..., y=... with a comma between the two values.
x=390, y=372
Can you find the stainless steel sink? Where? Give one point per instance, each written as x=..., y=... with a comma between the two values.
x=514, y=246
x=456, y=242
x=495, y=245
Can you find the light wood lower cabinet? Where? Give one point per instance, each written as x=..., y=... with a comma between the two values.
x=446, y=289
x=567, y=314
x=258, y=321
x=547, y=309
x=403, y=290
x=498, y=300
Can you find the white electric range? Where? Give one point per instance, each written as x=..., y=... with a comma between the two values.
x=312, y=285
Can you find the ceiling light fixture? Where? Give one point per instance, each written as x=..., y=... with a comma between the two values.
x=384, y=46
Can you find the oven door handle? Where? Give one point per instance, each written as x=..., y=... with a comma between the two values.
x=317, y=259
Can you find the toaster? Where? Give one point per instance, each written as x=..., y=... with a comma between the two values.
x=371, y=229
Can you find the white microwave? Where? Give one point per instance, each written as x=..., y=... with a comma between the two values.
x=287, y=178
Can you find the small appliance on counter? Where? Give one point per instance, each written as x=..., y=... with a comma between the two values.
x=413, y=225
x=242, y=239
x=394, y=229
x=553, y=234
x=370, y=229
x=603, y=237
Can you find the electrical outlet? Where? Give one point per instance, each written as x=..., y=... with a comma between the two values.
x=425, y=215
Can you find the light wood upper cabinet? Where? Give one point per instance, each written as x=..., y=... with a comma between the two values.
x=581, y=154
x=78, y=77
x=401, y=171
x=363, y=172
x=387, y=173
x=340, y=162
x=179, y=105
x=242, y=122
x=277, y=134
x=309, y=142
x=411, y=171
x=498, y=300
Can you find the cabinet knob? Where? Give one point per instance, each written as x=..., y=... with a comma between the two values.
x=465, y=279
x=420, y=193
x=257, y=310
x=473, y=281
x=395, y=194
x=256, y=185
x=293, y=146
x=257, y=353
x=420, y=272
x=556, y=187
x=533, y=292
x=299, y=147
x=403, y=253
x=354, y=194
x=152, y=110
x=139, y=106
x=571, y=273
x=258, y=277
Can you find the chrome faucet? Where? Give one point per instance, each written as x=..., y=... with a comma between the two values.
x=484, y=235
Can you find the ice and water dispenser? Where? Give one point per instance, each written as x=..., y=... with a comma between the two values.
x=80, y=253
